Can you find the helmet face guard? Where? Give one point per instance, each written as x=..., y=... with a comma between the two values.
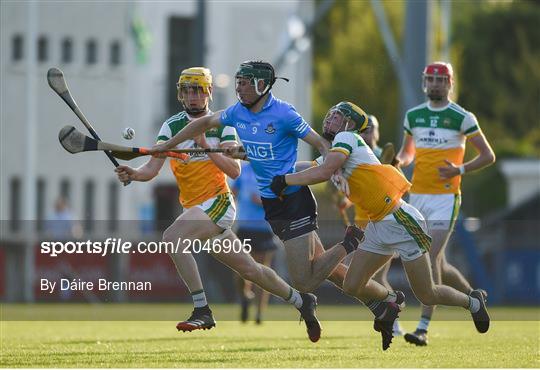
x=344, y=116
x=437, y=80
x=255, y=72
x=195, y=85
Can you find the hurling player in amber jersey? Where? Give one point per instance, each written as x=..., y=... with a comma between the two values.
x=209, y=208
x=394, y=226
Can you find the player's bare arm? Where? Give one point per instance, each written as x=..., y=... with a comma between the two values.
x=316, y=141
x=228, y=165
x=146, y=172
x=407, y=152
x=485, y=157
x=316, y=174
x=196, y=127
x=304, y=165
x=312, y=175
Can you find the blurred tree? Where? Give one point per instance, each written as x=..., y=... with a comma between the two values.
x=496, y=56
x=497, y=47
x=351, y=64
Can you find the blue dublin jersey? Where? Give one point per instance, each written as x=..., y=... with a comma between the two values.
x=270, y=138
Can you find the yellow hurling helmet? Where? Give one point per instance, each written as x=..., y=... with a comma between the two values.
x=196, y=76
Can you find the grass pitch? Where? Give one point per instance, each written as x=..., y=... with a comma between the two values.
x=98, y=344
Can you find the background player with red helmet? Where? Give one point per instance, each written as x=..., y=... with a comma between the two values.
x=435, y=135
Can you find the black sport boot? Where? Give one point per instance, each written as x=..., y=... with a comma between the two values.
x=201, y=318
x=307, y=313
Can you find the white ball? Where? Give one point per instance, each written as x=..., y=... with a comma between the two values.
x=128, y=133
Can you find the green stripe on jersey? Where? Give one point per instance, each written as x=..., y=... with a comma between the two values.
x=228, y=138
x=471, y=130
x=449, y=118
x=359, y=139
x=162, y=138
x=177, y=122
x=343, y=145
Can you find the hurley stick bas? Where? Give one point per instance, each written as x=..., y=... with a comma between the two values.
x=57, y=82
x=75, y=141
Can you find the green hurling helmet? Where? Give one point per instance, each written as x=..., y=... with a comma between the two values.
x=256, y=71
x=344, y=116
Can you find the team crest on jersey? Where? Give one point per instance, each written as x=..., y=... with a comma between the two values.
x=446, y=122
x=270, y=129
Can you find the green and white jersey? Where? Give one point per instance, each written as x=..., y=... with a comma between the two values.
x=439, y=134
x=198, y=178
x=214, y=137
x=375, y=189
x=355, y=148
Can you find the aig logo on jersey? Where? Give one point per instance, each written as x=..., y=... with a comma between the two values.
x=257, y=151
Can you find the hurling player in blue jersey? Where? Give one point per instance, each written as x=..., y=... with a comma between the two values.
x=269, y=130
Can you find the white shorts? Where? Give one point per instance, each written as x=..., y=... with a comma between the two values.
x=403, y=232
x=440, y=210
x=221, y=209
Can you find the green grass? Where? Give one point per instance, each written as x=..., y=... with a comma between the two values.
x=274, y=344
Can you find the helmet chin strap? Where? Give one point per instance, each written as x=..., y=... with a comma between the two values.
x=265, y=91
x=261, y=95
x=193, y=112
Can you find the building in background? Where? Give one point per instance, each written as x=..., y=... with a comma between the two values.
x=121, y=61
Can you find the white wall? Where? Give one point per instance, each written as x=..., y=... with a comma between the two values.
x=522, y=177
x=131, y=94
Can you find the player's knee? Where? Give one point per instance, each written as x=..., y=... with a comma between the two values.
x=169, y=236
x=427, y=298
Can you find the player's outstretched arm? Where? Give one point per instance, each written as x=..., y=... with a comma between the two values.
x=313, y=175
x=304, y=165
x=194, y=128
x=146, y=172
x=316, y=174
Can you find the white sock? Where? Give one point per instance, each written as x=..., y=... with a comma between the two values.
x=199, y=299
x=295, y=298
x=474, y=304
x=423, y=324
x=397, y=327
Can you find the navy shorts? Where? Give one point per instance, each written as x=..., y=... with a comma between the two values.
x=294, y=216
